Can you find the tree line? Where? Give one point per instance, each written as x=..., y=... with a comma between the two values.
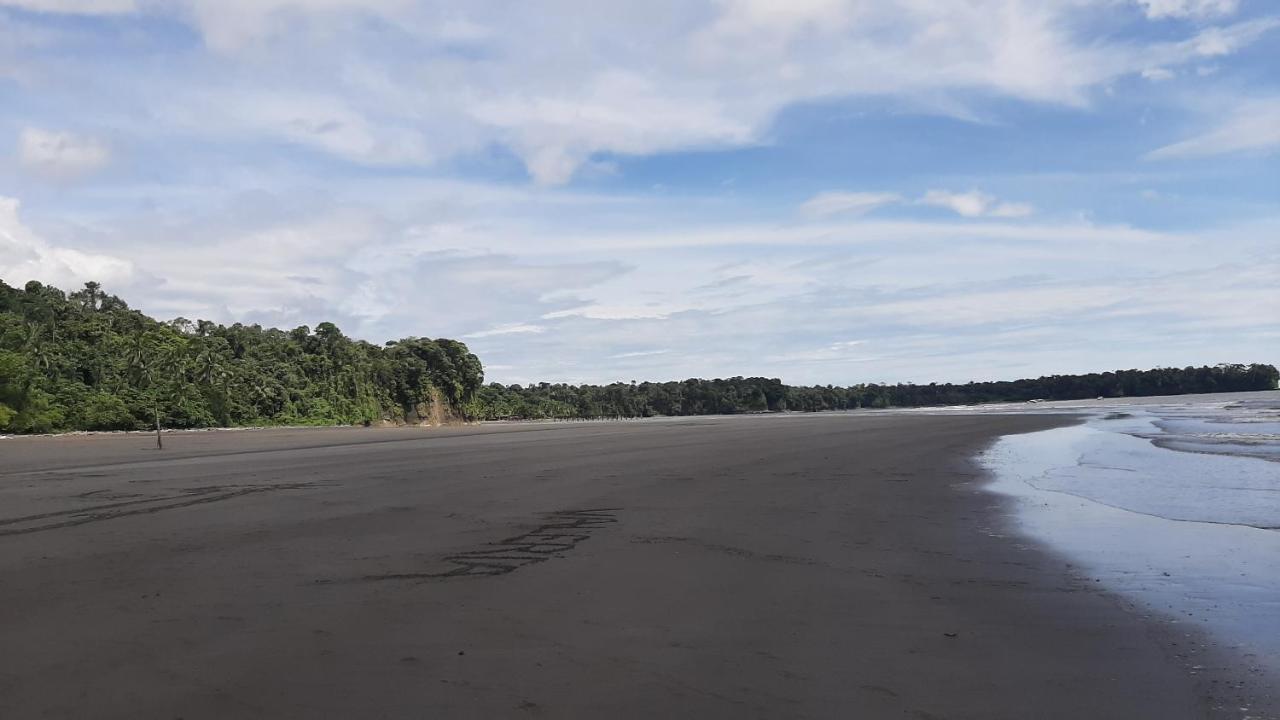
x=87, y=361
x=757, y=394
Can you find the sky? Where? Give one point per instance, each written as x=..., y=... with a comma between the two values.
x=825, y=191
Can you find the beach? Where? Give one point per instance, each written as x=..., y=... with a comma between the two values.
x=852, y=565
x=1173, y=504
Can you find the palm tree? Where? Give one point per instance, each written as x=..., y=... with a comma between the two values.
x=265, y=393
x=139, y=356
x=37, y=349
x=208, y=365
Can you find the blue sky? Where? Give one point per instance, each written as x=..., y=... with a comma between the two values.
x=828, y=191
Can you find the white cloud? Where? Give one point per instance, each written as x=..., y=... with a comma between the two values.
x=1225, y=40
x=399, y=82
x=61, y=155
x=975, y=203
x=1011, y=210
x=76, y=7
x=837, y=352
x=847, y=301
x=851, y=203
x=620, y=111
x=970, y=204
x=618, y=311
x=548, y=284
x=232, y=25
x=1156, y=9
x=639, y=354
x=507, y=329
x=374, y=271
x=1156, y=74
x=325, y=122
x=1251, y=126
x=24, y=256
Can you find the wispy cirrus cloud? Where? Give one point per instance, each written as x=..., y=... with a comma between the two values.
x=421, y=83
x=76, y=7
x=971, y=203
x=1188, y=8
x=639, y=354
x=507, y=329
x=1251, y=125
x=852, y=203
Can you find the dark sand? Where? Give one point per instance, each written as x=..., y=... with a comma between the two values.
x=833, y=567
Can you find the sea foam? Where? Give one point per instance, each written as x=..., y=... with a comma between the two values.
x=1172, y=503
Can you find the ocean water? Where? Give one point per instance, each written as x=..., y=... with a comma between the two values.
x=1173, y=503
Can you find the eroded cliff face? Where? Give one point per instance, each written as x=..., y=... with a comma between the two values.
x=433, y=412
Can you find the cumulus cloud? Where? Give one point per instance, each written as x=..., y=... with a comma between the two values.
x=61, y=155
x=975, y=203
x=24, y=256
x=1253, y=125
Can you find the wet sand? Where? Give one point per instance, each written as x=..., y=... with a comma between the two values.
x=824, y=567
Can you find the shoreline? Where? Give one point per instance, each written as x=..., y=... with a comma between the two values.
x=994, y=407
x=1203, y=582
x=826, y=566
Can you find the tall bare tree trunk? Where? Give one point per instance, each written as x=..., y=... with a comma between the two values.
x=159, y=442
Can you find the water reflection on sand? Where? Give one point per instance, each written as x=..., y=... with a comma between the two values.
x=1172, y=502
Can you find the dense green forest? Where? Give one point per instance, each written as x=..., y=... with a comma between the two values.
x=739, y=395
x=86, y=361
